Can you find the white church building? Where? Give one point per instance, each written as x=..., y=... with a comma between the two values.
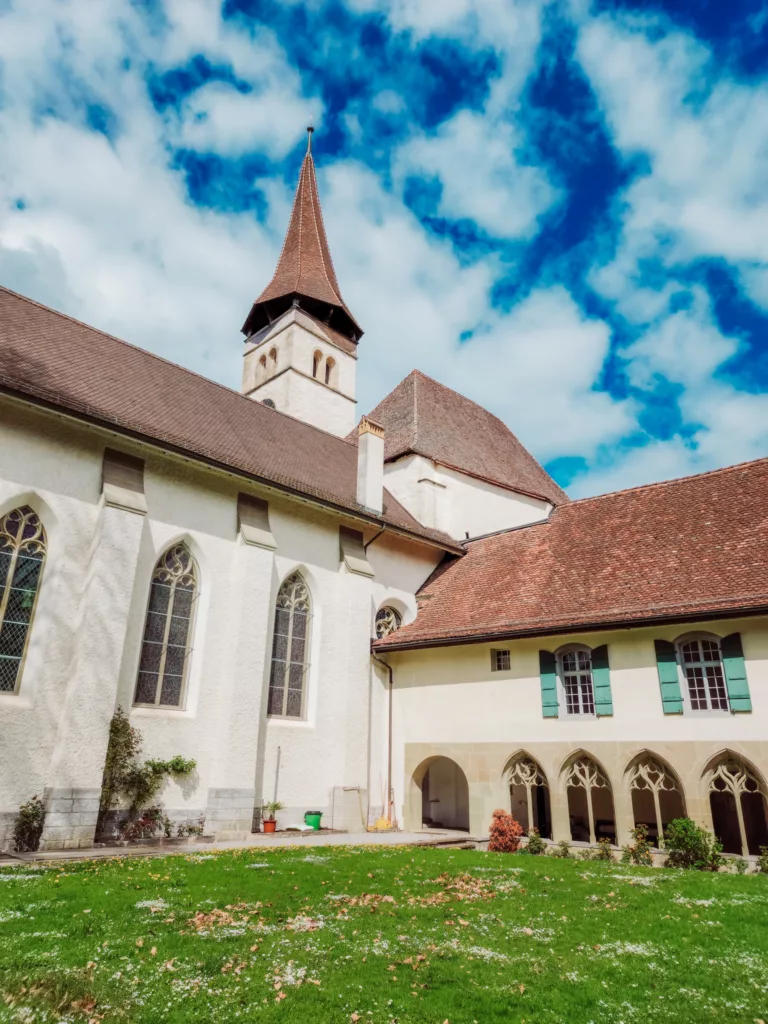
x=395, y=614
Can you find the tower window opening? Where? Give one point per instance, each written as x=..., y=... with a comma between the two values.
x=330, y=366
x=316, y=360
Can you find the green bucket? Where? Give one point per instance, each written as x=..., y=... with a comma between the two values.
x=312, y=818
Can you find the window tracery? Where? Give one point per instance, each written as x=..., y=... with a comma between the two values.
x=290, y=649
x=22, y=555
x=167, y=641
x=388, y=620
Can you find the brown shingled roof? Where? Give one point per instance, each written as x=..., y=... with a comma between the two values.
x=60, y=362
x=426, y=418
x=305, y=268
x=685, y=549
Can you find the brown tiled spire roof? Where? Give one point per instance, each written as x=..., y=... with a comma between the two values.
x=422, y=417
x=680, y=551
x=305, y=269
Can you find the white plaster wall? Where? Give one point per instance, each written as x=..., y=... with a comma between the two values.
x=55, y=466
x=457, y=503
x=450, y=696
x=296, y=339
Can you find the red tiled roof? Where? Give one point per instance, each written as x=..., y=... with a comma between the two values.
x=51, y=358
x=685, y=549
x=426, y=418
x=305, y=267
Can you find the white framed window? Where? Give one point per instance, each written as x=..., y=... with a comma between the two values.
x=500, y=660
x=702, y=664
x=575, y=672
x=388, y=620
x=290, y=650
x=167, y=643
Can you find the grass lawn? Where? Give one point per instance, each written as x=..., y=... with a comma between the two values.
x=389, y=934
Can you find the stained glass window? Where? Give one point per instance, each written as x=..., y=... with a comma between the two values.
x=22, y=554
x=290, y=649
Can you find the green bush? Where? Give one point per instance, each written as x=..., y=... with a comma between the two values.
x=125, y=775
x=639, y=851
x=741, y=866
x=535, y=845
x=762, y=861
x=690, y=846
x=604, y=850
x=28, y=827
x=563, y=849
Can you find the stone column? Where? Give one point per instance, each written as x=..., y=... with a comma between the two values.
x=624, y=815
x=232, y=796
x=98, y=627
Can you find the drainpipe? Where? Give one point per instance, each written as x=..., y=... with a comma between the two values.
x=388, y=667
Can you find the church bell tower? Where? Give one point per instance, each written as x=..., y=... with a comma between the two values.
x=301, y=339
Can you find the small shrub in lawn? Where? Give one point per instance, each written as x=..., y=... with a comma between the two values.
x=563, y=849
x=28, y=827
x=535, y=845
x=505, y=833
x=639, y=850
x=741, y=866
x=690, y=846
x=604, y=850
x=762, y=861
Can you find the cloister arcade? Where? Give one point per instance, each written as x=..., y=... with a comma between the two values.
x=583, y=802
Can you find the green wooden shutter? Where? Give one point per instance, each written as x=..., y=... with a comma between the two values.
x=548, y=672
x=735, y=673
x=669, y=679
x=601, y=681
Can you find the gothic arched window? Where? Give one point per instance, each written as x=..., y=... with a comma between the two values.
x=290, y=649
x=317, y=358
x=167, y=642
x=387, y=621
x=22, y=554
x=330, y=366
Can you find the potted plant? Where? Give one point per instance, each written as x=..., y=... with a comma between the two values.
x=268, y=812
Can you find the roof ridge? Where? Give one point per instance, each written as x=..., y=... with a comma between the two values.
x=415, y=440
x=162, y=359
x=332, y=284
x=673, y=480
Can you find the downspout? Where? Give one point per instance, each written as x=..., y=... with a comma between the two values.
x=388, y=667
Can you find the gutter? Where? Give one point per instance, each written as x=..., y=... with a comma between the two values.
x=594, y=626
x=168, y=447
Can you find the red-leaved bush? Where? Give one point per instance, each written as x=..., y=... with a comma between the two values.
x=505, y=833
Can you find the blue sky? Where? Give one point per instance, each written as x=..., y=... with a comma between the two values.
x=558, y=207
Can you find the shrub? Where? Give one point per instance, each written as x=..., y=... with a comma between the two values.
x=690, y=846
x=535, y=845
x=762, y=861
x=639, y=851
x=563, y=849
x=604, y=850
x=186, y=828
x=505, y=833
x=741, y=865
x=150, y=823
x=588, y=854
x=28, y=827
x=125, y=775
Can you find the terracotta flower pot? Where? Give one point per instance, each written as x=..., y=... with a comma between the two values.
x=270, y=824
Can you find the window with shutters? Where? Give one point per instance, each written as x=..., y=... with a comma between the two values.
x=22, y=555
x=575, y=671
x=290, y=650
x=167, y=643
x=500, y=661
x=702, y=664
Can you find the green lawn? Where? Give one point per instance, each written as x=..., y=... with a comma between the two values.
x=391, y=934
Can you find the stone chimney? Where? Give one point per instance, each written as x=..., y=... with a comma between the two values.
x=370, y=465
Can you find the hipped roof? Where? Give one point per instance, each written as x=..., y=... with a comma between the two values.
x=426, y=418
x=677, y=551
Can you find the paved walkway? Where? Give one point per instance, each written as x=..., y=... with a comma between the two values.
x=258, y=841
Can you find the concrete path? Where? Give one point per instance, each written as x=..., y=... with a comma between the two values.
x=258, y=841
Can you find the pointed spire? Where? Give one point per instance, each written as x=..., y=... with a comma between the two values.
x=304, y=274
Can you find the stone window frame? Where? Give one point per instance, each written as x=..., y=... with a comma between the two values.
x=178, y=574
x=292, y=578
x=688, y=708
x=37, y=543
x=560, y=654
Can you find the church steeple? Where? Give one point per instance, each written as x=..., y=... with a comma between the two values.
x=304, y=276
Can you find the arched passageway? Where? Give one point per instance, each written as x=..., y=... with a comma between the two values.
x=737, y=800
x=529, y=795
x=590, y=801
x=444, y=794
x=657, y=797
